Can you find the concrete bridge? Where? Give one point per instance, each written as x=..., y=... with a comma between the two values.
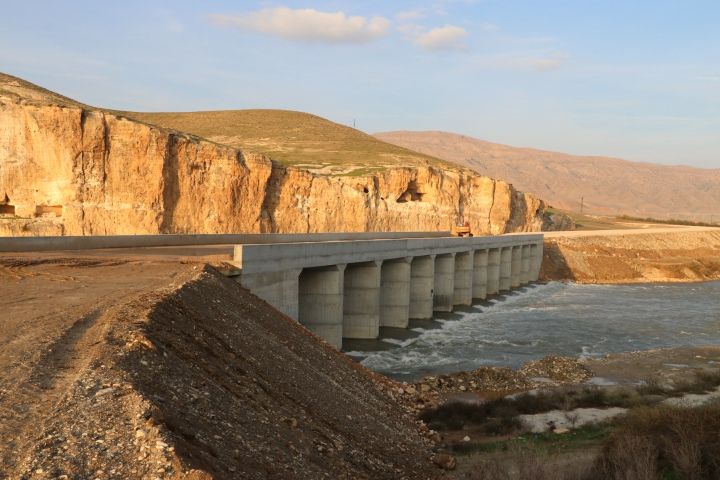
x=349, y=289
x=340, y=285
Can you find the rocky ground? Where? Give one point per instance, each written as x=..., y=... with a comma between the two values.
x=487, y=382
x=178, y=372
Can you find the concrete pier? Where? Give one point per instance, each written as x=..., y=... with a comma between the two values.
x=349, y=289
x=422, y=284
x=505, y=268
x=536, y=261
x=526, y=260
x=395, y=280
x=320, y=298
x=480, y=274
x=493, y=271
x=444, y=291
x=516, y=266
x=463, y=288
x=361, y=300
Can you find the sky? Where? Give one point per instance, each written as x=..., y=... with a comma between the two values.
x=635, y=79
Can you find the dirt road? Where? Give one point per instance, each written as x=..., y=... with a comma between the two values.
x=50, y=313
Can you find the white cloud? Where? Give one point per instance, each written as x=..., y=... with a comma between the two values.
x=308, y=25
x=406, y=15
x=548, y=63
x=442, y=38
x=540, y=61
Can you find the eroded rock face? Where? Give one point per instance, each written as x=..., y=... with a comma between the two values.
x=74, y=171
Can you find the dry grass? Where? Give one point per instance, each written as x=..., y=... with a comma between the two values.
x=650, y=443
x=665, y=442
x=292, y=138
x=524, y=464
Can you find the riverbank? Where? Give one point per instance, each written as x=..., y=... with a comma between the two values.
x=669, y=254
x=568, y=427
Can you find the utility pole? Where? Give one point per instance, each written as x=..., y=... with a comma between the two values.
x=582, y=204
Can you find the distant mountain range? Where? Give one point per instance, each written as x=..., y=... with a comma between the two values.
x=604, y=185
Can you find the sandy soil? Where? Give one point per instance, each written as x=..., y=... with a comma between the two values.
x=115, y=368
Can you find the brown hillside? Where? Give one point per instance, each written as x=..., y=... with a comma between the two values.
x=609, y=185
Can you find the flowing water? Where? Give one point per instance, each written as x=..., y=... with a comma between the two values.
x=553, y=318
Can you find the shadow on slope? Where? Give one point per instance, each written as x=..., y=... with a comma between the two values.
x=245, y=392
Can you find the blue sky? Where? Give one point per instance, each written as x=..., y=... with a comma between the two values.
x=634, y=79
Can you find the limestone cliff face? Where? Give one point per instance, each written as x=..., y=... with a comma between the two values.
x=72, y=171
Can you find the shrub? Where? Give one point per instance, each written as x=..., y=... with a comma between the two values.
x=664, y=442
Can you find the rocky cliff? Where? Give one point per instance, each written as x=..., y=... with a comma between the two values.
x=68, y=169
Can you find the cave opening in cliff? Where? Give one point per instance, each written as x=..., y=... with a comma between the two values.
x=5, y=207
x=411, y=194
x=48, y=210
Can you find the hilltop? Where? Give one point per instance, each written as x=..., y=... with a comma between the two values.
x=608, y=185
x=288, y=137
x=294, y=138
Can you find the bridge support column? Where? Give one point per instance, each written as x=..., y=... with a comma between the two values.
x=444, y=282
x=422, y=284
x=462, y=290
x=505, y=268
x=279, y=289
x=493, y=271
x=526, y=264
x=361, y=302
x=395, y=293
x=320, y=299
x=480, y=274
x=536, y=261
x=516, y=266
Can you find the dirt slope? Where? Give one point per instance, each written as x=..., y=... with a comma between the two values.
x=673, y=254
x=609, y=185
x=181, y=373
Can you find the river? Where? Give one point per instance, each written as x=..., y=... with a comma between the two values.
x=554, y=318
